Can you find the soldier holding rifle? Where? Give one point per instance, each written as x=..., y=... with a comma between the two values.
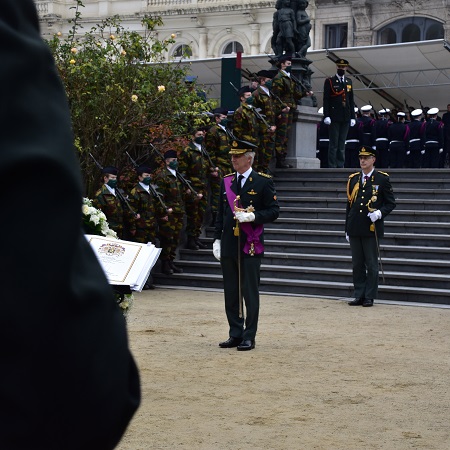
x=370, y=200
x=248, y=201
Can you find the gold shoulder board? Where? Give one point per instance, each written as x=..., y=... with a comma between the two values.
x=384, y=173
x=353, y=174
x=229, y=175
x=264, y=174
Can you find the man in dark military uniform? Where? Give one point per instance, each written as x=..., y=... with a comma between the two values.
x=339, y=112
x=434, y=140
x=107, y=200
x=194, y=165
x=217, y=144
x=416, y=139
x=269, y=109
x=398, y=135
x=257, y=204
x=68, y=379
x=148, y=210
x=381, y=138
x=370, y=200
x=174, y=197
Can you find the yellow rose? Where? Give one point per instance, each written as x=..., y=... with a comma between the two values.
x=74, y=50
x=123, y=52
x=173, y=35
x=134, y=98
x=112, y=37
x=161, y=88
x=72, y=61
x=59, y=33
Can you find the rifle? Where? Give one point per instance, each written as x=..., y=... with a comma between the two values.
x=120, y=196
x=409, y=108
x=211, y=164
x=258, y=115
x=154, y=192
x=183, y=180
x=377, y=117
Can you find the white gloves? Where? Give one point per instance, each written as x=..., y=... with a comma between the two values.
x=408, y=152
x=374, y=147
x=441, y=150
x=375, y=215
x=352, y=122
x=242, y=216
x=347, y=238
x=216, y=249
x=327, y=121
x=423, y=152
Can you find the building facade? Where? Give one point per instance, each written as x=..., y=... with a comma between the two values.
x=215, y=28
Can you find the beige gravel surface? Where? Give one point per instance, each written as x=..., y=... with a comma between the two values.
x=323, y=376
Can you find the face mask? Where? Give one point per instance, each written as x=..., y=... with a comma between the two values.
x=268, y=84
x=288, y=69
x=341, y=72
x=147, y=180
x=112, y=183
x=224, y=122
x=173, y=165
x=198, y=139
x=249, y=100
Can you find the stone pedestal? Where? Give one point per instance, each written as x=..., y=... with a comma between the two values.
x=302, y=139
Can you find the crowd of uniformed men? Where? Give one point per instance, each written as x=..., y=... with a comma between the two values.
x=162, y=203
x=412, y=139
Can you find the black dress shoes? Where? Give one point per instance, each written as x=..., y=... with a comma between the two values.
x=356, y=302
x=368, y=302
x=174, y=268
x=246, y=345
x=166, y=268
x=191, y=244
x=200, y=244
x=230, y=342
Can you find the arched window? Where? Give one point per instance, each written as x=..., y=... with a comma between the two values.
x=411, y=29
x=232, y=48
x=182, y=51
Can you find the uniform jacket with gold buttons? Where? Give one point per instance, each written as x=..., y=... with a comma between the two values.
x=378, y=191
x=338, y=102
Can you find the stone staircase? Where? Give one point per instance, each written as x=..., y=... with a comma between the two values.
x=306, y=251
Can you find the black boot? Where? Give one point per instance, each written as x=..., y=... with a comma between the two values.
x=281, y=162
x=166, y=267
x=191, y=244
x=200, y=244
x=213, y=220
x=175, y=268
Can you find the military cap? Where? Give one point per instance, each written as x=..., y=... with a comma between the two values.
x=239, y=147
x=416, y=112
x=265, y=74
x=243, y=90
x=283, y=58
x=401, y=114
x=356, y=109
x=143, y=169
x=367, y=151
x=220, y=111
x=170, y=154
x=342, y=62
x=110, y=170
x=320, y=111
x=384, y=111
x=189, y=78
x=433, y=111
x=366, y=108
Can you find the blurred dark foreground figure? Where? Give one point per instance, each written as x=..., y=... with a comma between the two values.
x=67, y=377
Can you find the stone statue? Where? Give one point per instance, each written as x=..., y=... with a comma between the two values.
x=303, y=27
x=284, y=29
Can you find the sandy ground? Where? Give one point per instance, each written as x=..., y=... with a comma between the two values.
x=323, y=376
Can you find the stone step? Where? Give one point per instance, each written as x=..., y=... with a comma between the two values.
x=309, y=288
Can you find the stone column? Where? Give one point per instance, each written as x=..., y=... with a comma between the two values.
x=302, y=139
x=202, y=43
x=104, y=8
x=254, y=43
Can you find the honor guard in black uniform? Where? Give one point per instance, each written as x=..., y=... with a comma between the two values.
x=248, y=202
x=414, y=157
x=322, y=141
x=381, y=138
x=434, y=140
x=368, y=127
x=369, y=200
x=398, y=135
x=339, y=112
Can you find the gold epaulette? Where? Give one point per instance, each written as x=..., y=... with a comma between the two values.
x=353, y=174
x=384, y=173
x=229, y=175
x=264, y=174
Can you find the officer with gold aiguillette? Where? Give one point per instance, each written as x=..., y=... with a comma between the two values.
x=369, y=200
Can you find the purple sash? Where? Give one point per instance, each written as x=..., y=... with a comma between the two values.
x=253, y=245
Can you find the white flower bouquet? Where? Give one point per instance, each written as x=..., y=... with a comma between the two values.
x=94, y=220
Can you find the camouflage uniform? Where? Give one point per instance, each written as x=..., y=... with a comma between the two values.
x=170, y=230
x=246, y=127
x=113, y=209
x=149, y=209
x=286, y=89
x=267, y=139
x=218, y=145
x=195, y=167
